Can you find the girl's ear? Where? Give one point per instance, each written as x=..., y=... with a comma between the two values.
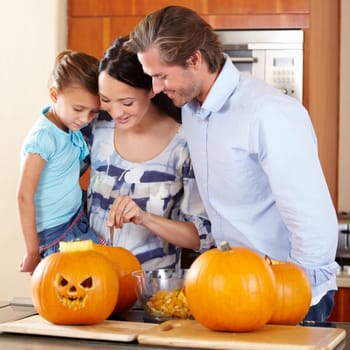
x=53, y=94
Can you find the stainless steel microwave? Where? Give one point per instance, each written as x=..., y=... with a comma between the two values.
x=275, y=56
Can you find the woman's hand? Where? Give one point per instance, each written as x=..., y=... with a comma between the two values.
x=124, y=210
x=182, y=234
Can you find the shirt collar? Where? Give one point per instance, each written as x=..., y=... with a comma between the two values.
x=223, y=87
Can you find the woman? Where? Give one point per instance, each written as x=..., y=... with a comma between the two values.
x=142, y=193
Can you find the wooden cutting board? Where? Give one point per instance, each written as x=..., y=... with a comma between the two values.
x=123, y=331
x=189, y=333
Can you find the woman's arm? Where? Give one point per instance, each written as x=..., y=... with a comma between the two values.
x=29, y=179
x=182, y=234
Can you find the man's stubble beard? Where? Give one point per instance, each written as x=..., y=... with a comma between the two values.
x=186, y=95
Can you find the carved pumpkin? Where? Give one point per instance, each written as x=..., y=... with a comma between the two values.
x=124, y=262
x=231, y=289
x=75, y=286
x=293, y=293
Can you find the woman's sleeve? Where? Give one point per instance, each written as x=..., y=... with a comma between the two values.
x=191, y=207
x=87, y=135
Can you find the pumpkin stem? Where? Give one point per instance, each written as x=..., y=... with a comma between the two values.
x=273, y=262
x=224, y=246
x=268, y=260
x=74, y=246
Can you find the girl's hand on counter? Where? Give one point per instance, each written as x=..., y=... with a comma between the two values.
x=29, y=263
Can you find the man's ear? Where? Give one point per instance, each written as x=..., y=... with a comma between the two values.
x=195, y=60
x=53, y=94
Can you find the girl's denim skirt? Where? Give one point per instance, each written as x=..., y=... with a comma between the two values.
x=76, y=229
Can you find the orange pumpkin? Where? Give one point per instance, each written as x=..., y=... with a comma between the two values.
x=124, y=263
x=75, y=286
x=231, y=289
x=293, y=293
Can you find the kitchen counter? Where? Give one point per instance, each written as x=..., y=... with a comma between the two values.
x=14, y=341
x=19, y=308
x=343, y=277
x=28, y=342
x=343, y=281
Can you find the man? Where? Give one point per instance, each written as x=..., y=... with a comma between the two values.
x=253, y=148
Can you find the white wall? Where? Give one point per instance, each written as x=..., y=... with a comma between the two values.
x=31, y=34
x=344, y=143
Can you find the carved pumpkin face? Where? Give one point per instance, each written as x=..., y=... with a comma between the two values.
x=79, y=287
x=73, y=291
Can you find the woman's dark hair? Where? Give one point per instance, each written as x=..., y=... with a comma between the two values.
x=124, y=66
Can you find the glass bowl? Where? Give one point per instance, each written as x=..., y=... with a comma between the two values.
x=161, y=294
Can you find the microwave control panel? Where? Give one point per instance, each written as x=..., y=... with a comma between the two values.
x=275, y=56
x=284, y=71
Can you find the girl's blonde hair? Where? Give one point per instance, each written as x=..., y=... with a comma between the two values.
x=75, y=68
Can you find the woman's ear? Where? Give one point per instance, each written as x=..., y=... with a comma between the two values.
x=151, y=93
x=53, y=94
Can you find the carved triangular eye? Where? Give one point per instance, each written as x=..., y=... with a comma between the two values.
x=87, y=283
x=61, y=281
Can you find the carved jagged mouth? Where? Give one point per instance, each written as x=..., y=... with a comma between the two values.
x=74, y=303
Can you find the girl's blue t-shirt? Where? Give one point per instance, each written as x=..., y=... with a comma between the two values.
x=58, y=195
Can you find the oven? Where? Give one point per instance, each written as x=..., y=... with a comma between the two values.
x=343, y=249
x=275, y=56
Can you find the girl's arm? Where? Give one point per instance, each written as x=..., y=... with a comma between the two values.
x=28, y=182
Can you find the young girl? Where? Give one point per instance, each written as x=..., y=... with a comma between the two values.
x=49, y=196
